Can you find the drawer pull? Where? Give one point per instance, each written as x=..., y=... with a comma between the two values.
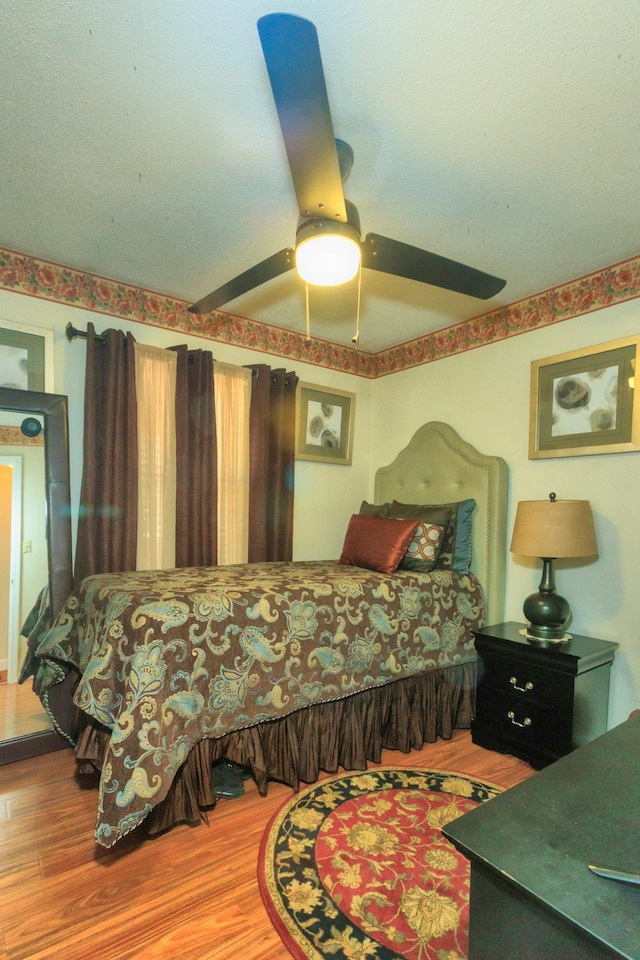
x=525, y=723
x=514, y=683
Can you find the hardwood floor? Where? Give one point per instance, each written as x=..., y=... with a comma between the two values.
x=191, y=894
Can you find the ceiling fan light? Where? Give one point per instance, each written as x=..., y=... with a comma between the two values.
x=328, y=260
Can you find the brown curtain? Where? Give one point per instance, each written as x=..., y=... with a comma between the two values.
x=272, y=441
x=196, y=478
x=107, y=525
x=108, y=516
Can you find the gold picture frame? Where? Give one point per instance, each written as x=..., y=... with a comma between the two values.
x=324, y=424
x=584, y=402
x=26, y=357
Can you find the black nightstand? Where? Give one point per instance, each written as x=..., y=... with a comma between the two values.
x=537, y=700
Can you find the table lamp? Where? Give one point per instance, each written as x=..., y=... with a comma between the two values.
x=551, y=529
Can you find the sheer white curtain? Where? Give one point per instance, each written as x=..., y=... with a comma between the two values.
x=156, y=396
x=232, y=390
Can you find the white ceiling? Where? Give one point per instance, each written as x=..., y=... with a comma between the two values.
x=139, y=140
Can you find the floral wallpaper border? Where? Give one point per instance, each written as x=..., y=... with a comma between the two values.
x=14, y=437
x=50, y=281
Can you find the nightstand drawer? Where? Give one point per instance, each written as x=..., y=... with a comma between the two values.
x=524, y=680
x=518, y=720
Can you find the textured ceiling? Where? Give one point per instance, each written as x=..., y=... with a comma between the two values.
x=139, y=141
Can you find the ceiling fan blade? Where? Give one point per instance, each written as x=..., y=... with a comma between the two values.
x=266, y=270
x=403, y=260
x=292, y=54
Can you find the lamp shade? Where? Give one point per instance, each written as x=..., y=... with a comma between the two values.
x=554, y=528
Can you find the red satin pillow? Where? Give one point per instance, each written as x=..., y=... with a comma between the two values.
x=377, y=543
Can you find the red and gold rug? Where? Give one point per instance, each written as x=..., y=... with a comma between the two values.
x=356, y=866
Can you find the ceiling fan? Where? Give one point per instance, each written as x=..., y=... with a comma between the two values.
x=320, y=165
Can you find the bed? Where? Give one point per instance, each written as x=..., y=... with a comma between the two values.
x=287, y=669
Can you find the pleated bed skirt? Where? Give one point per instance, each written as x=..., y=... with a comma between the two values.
x=348, y=733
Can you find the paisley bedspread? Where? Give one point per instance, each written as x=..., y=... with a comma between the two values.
x=167, y=658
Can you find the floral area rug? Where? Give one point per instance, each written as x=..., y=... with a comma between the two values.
x=356, y=866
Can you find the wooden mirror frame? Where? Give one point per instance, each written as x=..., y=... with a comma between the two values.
x=53, y=409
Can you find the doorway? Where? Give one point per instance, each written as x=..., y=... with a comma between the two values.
x=21, y=712
x=10, y=548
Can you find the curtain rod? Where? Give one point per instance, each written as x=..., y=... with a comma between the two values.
x=73, y=332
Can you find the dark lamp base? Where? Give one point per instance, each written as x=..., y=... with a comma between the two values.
x=542, y=632
x=548, y=614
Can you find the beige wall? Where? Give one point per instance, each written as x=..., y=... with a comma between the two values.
x=484, y=395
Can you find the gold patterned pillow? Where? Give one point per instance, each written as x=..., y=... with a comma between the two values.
x=423, y=551
x=456, y=517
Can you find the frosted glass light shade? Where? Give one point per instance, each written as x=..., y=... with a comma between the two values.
x=328, y=259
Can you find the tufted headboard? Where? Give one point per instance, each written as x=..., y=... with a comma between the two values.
x=437, y=466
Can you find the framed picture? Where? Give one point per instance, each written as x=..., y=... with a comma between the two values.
x=26, y=357
x=584, y=402
x=324, y=430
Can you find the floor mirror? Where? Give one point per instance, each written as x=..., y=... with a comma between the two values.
x=35, y=509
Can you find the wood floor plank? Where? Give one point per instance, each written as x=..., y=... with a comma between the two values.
x=16, y=874
x=47, y=768
x=191, y=893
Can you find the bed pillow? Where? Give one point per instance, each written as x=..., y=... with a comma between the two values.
x=455, y=553
x=424, y=512
x=456, y=549
x=377, y=543
x=374, y=509
x=423, y=551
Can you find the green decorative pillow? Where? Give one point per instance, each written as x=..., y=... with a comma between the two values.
x=377, y=543
x=423, y=551
x=455, y=553
x=374, y=509
x=424, y=512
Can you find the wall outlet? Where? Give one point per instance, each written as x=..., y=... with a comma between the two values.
x=26, y=546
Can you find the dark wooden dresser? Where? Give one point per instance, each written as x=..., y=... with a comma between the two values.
x=536, y=700
x=532, y=894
